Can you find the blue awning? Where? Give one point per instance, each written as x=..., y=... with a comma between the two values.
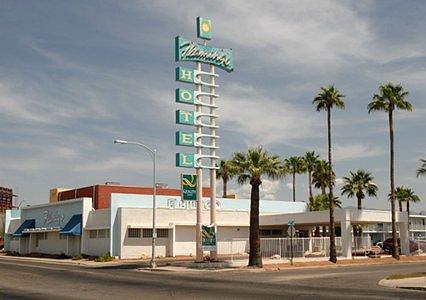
x=26, y=225
x=73, y=226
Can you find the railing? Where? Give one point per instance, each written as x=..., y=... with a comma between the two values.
x=280, y=248
x=417, y=227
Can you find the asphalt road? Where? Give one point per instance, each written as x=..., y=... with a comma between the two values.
x=34, y=280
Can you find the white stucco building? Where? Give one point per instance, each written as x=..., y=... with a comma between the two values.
x=124, y=230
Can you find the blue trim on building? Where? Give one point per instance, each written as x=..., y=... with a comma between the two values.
x=73, y=227
x=26, y=225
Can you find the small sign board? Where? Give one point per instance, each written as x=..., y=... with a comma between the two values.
x=208, y=238
x=189, y=187
x=291, y=223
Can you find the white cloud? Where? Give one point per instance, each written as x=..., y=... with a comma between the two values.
x=268, y=190
x=355, y=151
x=339, y=181
x=263, y=119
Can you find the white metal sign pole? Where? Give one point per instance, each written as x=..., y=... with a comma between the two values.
x=213, y=254
x=198, y=109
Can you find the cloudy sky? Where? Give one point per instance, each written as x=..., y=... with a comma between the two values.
x=74, y=75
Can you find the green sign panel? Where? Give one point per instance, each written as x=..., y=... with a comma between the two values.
x=185, y=117
x=208, y=238
x=185, y=75
x=185, y=96
x=291, y=223
x=186, y=160
x=189, y=51
x=189, y=187
x=185, y=139
x=204, y=28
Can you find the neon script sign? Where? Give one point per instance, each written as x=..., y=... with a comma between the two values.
x=189, y=51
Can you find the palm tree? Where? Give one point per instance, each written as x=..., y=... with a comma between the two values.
x=251, y=167
x=326, y=99
x=422, y=170
x=322, y=202
x=320, y=176
x=227, y=170
x=310, y=161
x=359, y=184
x=294, y=165
x=389, y=98
x=404, y=194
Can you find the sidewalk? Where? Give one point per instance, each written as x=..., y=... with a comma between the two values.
x=415, y=283
x=187, y=264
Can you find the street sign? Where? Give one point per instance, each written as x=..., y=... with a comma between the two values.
x=189, y=187
x=185, y=138
x=204, y=28
x=186, y=50
x=185, y=96
x=186, y=160
x=208, y=238
x=291, y=223
x=185, y=117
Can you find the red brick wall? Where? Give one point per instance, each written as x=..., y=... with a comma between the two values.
x=102, y=193
x=6, y=197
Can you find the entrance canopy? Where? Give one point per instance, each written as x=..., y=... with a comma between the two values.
x=73, y=226
x=27, y=224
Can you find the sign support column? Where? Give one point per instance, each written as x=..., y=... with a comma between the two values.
x=199, y=172
x=185, y=51
x=213, y=254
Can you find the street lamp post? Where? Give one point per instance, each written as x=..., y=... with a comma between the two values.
x=154, y=193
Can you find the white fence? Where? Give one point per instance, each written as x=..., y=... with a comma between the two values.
x=280, y=248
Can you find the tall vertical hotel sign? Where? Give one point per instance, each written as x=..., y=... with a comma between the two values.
x=200, y=112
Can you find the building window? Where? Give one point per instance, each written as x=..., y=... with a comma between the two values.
x=271, y=232
x=134, y=233
x=147, y=233
x=99, y=234
x=102, y=233
x=161, y=232
x=93, y=234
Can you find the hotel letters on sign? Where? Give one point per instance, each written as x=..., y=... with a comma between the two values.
x=189, y=51
x=189, y=187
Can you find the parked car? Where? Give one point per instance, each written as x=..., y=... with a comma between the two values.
x=414, y=246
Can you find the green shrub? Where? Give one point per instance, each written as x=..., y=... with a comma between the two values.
x=104, y=258
x=78, y=257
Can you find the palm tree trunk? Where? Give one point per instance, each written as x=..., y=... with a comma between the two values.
x=311, y=196
x=294, y=186
x=225, y=188
x=400, y=205
x=333, y=256
x=408, y=208
x=355, y=228
x=408, y=213
x=255, y=258
x=395, y=251
x=323, y=190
